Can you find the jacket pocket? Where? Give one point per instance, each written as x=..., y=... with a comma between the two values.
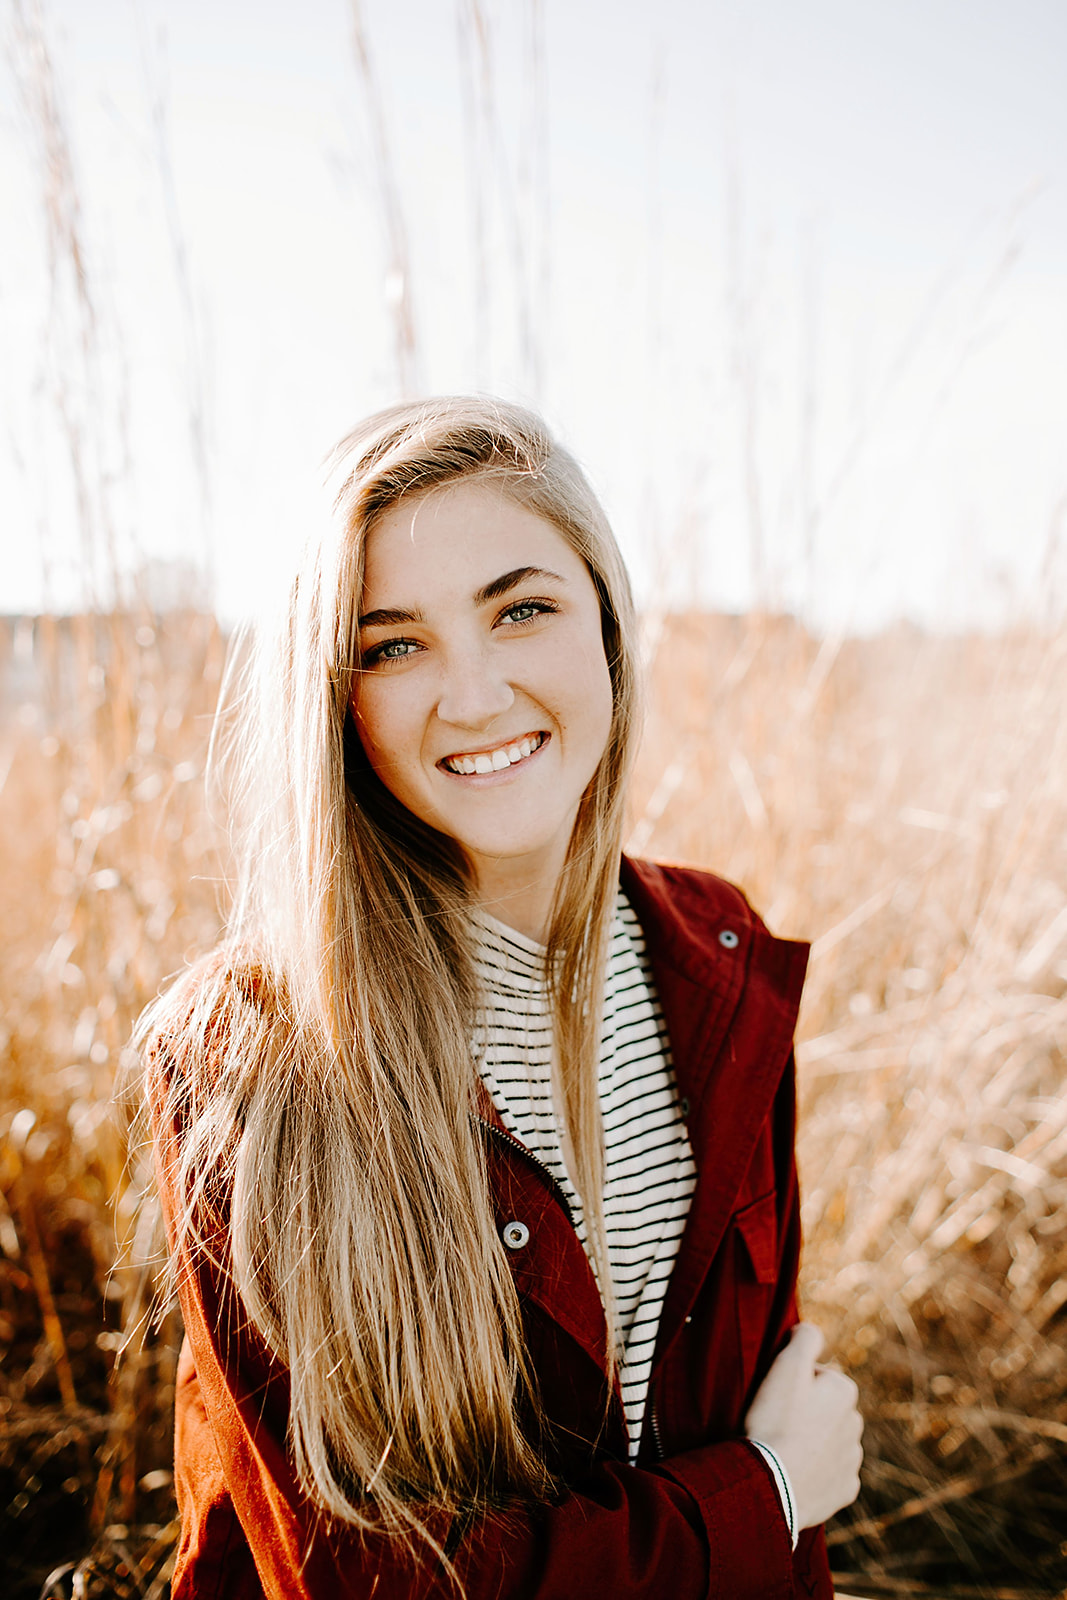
x=756, y=1231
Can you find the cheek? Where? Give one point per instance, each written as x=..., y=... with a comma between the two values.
x=362, y=709
x=380, y=726
x=593, y=706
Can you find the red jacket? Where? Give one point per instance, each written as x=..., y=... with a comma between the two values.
x=698, y=1515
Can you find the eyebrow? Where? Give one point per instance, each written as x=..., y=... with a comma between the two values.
x=391, y=617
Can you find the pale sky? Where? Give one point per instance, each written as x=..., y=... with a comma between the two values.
x=790, y=278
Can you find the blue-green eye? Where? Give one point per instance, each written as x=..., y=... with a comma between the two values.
x=527, y=610
x=390, y=650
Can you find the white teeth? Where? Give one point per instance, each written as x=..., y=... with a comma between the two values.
x=494, y=760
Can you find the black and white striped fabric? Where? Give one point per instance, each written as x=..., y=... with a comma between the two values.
x=650, y=1174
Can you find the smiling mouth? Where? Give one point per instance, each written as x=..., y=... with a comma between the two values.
x=498, y=760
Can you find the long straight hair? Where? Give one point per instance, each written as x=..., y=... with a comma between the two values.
x=319, y=1064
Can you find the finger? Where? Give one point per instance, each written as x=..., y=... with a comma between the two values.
x=792, y=1367
x=825, y=1369
x=834, y=1378
x=838, y=1394
x=805, y=1343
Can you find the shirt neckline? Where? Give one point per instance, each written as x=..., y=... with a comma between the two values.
x=502, y=930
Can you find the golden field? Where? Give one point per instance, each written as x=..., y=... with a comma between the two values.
x=901, y=801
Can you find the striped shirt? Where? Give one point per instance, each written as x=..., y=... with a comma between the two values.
x=650, y=1175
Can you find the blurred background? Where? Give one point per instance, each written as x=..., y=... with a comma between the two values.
x=790, y=280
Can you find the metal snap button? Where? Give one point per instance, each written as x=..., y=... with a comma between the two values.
x=515, y=1235
x=728, y=939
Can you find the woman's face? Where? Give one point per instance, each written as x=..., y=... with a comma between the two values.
x=483, y=701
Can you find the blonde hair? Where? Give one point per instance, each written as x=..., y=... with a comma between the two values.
x=319, y=1064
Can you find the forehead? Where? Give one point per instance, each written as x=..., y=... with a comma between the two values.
x=448, y=543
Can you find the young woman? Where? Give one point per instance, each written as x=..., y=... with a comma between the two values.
x=475, y=1142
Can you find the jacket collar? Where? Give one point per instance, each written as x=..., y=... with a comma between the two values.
x=709, y=951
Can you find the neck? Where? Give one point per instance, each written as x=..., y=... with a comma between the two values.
x=516, y=897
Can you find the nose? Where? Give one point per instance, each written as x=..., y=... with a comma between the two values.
x=473, y=690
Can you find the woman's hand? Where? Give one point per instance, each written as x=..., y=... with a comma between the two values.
x=807, y=1414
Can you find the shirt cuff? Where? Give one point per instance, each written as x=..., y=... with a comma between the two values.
x=784, y=1487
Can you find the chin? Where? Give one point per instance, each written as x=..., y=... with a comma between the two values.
x=509, y=852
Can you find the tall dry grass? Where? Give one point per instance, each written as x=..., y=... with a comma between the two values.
x=108, y=881
x=900, y=800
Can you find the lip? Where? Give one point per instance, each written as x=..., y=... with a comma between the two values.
x=498, y=744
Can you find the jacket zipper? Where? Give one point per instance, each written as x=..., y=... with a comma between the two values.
x=653, y=1417
x=531, y=1160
